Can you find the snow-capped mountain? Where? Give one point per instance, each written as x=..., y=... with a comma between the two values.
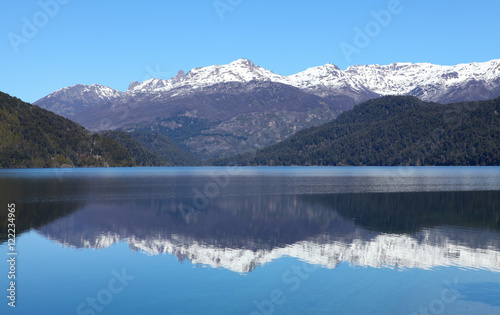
x=473, y=81
x=330, y=81
x=445, y=84
x=71, y=100
x=239, y=107
x=241, y=71
x=427, y=81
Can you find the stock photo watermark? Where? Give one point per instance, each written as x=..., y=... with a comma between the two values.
x=119, y=114
x=123, y=111
x=105, y=296
x=201, y=199
x=32, y=25
x=447, y=296
x=364, y=35
x=222, y=7
x=155, y=73
x=12, y=254
x=292, y=278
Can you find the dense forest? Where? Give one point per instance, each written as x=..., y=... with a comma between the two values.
x=392, y=130
x=165, y=148
x=35, y=137
x=139, y=153
x=149, y=148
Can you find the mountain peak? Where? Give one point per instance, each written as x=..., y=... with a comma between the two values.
x=244, y=62
x=132, y=85
x=332, y=66
x=179, y=76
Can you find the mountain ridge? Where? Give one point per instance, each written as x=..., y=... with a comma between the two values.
x=322, y=80
x=223, y=110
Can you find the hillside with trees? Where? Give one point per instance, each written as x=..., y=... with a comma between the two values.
x=390, y=131
x=165, y=148
x=33, y=137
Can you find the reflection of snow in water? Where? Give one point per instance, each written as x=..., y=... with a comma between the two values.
x=383, y=251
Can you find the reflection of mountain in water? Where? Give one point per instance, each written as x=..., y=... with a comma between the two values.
x=242, y=232
x=385, y=250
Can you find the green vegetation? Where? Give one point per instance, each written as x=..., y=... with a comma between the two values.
x=186, y=127
x=392, y=130
x=164, y=148
x=34, y=137
x=35, y=215
x=140, y=155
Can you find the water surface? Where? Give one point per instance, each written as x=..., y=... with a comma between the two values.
x=255, y=240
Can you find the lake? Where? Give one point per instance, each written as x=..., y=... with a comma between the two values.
x=253, y=240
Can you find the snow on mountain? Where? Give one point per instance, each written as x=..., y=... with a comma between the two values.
x=241, y=70
x=80, y=90
x=386, y=250
x=428, y=81
x=326, y=80
x=434, y=80
x=70, y=100
x=421, y=251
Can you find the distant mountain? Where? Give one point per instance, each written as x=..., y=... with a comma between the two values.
x=34, y=137
x=223, y=110
x=434, y=83
x=393, y=130
x=429, y=82
x=71, y=100
x=218, y=120
x=241, y=71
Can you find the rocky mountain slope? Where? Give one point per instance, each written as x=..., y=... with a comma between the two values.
x=222, y=110
x=218, y=120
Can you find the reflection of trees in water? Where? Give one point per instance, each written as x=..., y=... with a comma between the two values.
x=411, y=212
x=36, y=204
x=36, y=215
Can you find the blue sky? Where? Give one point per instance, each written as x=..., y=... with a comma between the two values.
x=49, y=44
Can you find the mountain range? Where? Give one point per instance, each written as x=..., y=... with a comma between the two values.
x=222, y=110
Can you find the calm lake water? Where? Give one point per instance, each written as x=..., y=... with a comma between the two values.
x=271, y=240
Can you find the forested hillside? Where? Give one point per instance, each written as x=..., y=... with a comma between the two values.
x=34, y=137
x=393, y=130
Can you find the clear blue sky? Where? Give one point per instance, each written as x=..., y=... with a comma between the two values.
x=116, y=42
